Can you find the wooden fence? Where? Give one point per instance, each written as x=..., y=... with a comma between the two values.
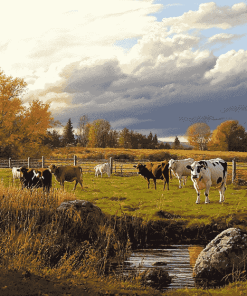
x=118, y=167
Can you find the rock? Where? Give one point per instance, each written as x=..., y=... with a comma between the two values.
x=159, y=263
x=223, y=256
x=86, y=224
x=83, y=206
x=155, y=277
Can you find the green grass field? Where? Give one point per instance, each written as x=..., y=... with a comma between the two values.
x=129, y=195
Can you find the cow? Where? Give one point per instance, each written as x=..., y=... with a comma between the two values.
x=154, y=171
x=29, y=180
x=102, y=168
x=179, y=169
x=16, y=173
x=67, y=173
x=45, y=178
x=205, y=173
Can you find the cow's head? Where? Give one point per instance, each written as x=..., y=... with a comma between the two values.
x=172, y=164
x=23, y=170
x=140, y=167
x=196, y=168
x=52, y=168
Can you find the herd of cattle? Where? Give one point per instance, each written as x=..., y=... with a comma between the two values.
x=204, y=174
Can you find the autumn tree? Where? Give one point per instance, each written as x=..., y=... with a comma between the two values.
x=228, y=136
x=92, y=136
x=198, y=135
x=68, y=134
x=11, y=111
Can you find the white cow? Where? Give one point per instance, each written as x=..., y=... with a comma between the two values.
x=205, y=173
x=179, y=169
x=16, y=173
x=102, y=168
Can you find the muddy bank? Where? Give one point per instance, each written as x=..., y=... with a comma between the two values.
x=170, y=230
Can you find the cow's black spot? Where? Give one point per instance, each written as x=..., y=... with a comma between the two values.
x=214, y=164
x=203, y=163
x=224, y=164
x=219, y=180
x=206, y=194
x=198, y=170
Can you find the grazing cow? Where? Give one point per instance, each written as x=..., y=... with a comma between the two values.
x=154, y=171
x=205, y=173
x=67, y=173
x=16, y=173
x=29, y=180
x=102, y=168
x=179, y=169
x=45, y=178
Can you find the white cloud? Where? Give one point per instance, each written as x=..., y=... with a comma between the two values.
x=209, y=15
x=224, y=38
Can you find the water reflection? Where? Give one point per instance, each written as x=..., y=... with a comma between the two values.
x=178, y=260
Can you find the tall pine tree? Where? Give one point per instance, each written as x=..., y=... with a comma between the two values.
x=68, y=134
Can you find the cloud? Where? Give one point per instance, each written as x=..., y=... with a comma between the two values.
x=224, y=38
x=209, y=15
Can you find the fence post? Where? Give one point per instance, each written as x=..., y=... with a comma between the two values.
x=75, y=160
x=111, y=165
x=28, y=162
x=233, y=169
x=9, y=162
x=43, y=162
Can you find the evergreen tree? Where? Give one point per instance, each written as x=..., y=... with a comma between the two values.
x=68, y=134
x=176, y=144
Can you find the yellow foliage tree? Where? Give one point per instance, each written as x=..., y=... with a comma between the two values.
x=198, y=135
x=21, y=129
x=228, y=136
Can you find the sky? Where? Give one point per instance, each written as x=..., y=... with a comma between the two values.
x=150, y=66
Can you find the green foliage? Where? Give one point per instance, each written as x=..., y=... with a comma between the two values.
x=68, y=134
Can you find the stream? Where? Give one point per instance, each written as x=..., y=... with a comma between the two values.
x=177, y=260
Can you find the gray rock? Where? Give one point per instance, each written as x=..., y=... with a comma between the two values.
x=156, y=277
x=223, y=257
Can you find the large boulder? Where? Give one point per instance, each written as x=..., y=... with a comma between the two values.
x=223, y=258
x=80, y=218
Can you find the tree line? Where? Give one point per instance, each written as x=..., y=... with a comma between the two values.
x=98, y=133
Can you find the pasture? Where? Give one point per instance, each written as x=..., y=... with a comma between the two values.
x=129, y=195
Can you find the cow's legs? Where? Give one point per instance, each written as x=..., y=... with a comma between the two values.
x=180, y=182
x=148, y=182
x=76, y=182
x=154, y=184
x=206, y=194
x=222, y=191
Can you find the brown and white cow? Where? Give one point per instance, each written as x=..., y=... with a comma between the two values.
x=67, y=173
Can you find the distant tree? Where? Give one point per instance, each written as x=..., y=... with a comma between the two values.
x=155, y=141
x=176, y=144
x=198, y=135
x=228, y=136
x=92, y=136
x=82, y=139
x=167, y=146
x=68, y=134
x=124, y=138
x=53, y=139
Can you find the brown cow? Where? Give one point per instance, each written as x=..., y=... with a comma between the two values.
x=154, y=171
x=67, y=173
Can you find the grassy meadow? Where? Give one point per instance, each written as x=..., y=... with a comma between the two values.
x=39, y=254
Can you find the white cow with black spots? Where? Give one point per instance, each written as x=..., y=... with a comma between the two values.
x=180, y=170
x=205, y=173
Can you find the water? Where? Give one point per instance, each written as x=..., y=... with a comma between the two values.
x=177, y=260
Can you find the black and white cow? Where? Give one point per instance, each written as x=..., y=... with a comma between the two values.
x=205, y=173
